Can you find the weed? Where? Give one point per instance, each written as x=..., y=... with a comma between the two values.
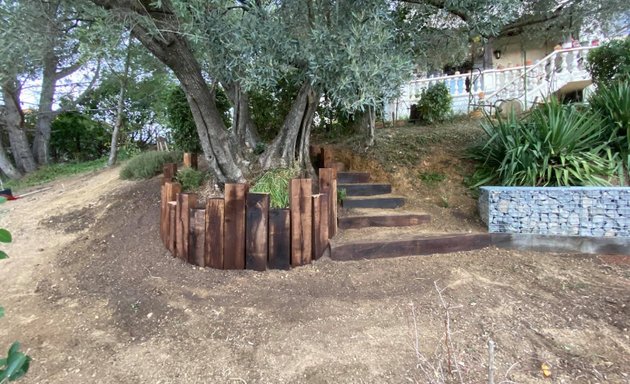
x=432, y=178
x=341, y=194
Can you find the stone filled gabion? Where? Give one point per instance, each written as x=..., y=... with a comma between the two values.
x=566, y=211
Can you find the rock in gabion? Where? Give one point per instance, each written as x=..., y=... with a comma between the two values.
x=566, y=211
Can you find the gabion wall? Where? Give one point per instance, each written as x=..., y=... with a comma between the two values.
x=567, y=211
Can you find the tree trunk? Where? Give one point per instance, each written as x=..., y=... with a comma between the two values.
x=113, y=150
x=364, y=123
x=14, y=120
x=172, y=50
x=45, y=113
x=242, y=123
x=291, y=144
x=6, y=166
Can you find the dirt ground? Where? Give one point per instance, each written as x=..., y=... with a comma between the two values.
x=92, y=295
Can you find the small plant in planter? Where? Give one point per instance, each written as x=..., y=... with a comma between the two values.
x=275, y=182
x=190, y=178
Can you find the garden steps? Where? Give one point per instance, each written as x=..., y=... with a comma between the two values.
x=352, y=177
x=379, y=219
x=365, y=189
x=410, y=245
x=378, y=201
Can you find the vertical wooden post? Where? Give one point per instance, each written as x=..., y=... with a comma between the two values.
x=300, y=204
x=197, y=237
x=190, y=160
x=256, y=233
x=170, y=170
x=327, y=157
x=163, y=213
x=324, y=222
x=185, y=201
x=171, y=189
x=332, y=226
x=234, y=235
x=316, y=226
x=172, y=227
x=213, y=251
x=328, y=186
x=279, y=239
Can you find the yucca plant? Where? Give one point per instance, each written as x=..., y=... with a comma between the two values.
x=612, y=102
x=555, y=145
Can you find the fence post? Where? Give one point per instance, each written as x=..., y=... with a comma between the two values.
x=279, y=239
x=213, y=247
x=172, y=227
x=169, y=170
x=300, y=204
x=170, y=191
x=234, y=235
x=197, y=237
x=185, y=201
x=328, y=186
x=256, y=236
x=320, y=233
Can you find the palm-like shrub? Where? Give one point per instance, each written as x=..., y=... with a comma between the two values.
x=612, y=102
x=555, y=145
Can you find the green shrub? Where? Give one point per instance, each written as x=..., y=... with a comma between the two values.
x=610, y=62
x=148, y=164
x=189, y=178
x=275, y=182
x=556, y=145
x=612, y=102
x=75, y=136
x=435, y=103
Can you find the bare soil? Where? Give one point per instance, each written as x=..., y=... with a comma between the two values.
x=94, y=298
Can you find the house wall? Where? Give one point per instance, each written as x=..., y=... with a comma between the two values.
x=512, y=52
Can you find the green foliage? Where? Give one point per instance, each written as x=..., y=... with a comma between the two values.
x=148, y=164
x=341, y=194
x=275, y=182
x=182, y=123
x=612, y=102
x=190, y=178
x=15, y=364
x=610, y=62
x=435, y=103
x=75, y=136
x=556, y=145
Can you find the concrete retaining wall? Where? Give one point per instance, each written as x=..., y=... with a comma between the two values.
x=566, y=211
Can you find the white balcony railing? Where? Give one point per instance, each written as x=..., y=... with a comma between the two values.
x=524, y=84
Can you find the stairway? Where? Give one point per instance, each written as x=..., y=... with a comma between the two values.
x=364, y=202
x=368, y=205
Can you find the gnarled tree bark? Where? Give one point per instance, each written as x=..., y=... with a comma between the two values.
x=291, y=144
x=242, y=123
x=14, y=123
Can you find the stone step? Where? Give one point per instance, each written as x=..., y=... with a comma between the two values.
x=365, y=189
x=423, y=245
x=380, y=201
x=396, y=220
x=352, y=177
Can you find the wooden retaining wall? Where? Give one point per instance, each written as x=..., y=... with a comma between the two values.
x=241, y=231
